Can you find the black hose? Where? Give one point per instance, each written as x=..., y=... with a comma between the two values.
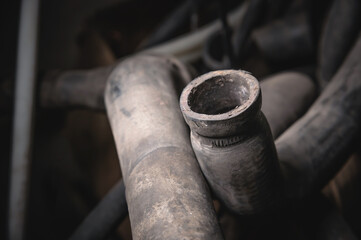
x=343, y=20
x=231, y=53
x=226, y=30
x=177, y=19
x=105, y=217
x=252, y=16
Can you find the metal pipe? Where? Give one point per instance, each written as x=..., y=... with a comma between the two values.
x=232, y=140
x=105, y=217
x=167, y=195
x=316, y=146
x=23, y=118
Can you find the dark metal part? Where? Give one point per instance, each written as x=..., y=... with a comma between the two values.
x=316, y=146
x=166, y=193
x=232, y=140
x=105, y=217
x=341, y=30
x=23, y=123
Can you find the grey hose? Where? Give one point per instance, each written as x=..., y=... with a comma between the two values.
x=166, y=193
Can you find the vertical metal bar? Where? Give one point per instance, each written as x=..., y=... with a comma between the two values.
x=24, y=101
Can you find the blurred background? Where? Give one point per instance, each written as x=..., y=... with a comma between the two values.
x=73, y=157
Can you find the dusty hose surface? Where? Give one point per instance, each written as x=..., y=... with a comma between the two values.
x=232, y=140
x=166, y=193
x=316, y=146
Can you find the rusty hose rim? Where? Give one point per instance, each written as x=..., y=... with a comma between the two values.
x=218, y=99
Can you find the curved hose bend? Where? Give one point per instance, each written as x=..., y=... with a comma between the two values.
x=317, y=145
x=232, y=140
x=166, y=193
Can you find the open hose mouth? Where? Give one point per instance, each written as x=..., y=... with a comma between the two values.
x=219, y=94
x=218, y=99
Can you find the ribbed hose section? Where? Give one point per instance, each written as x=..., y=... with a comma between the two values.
x=232, y=140
x=241, y=172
